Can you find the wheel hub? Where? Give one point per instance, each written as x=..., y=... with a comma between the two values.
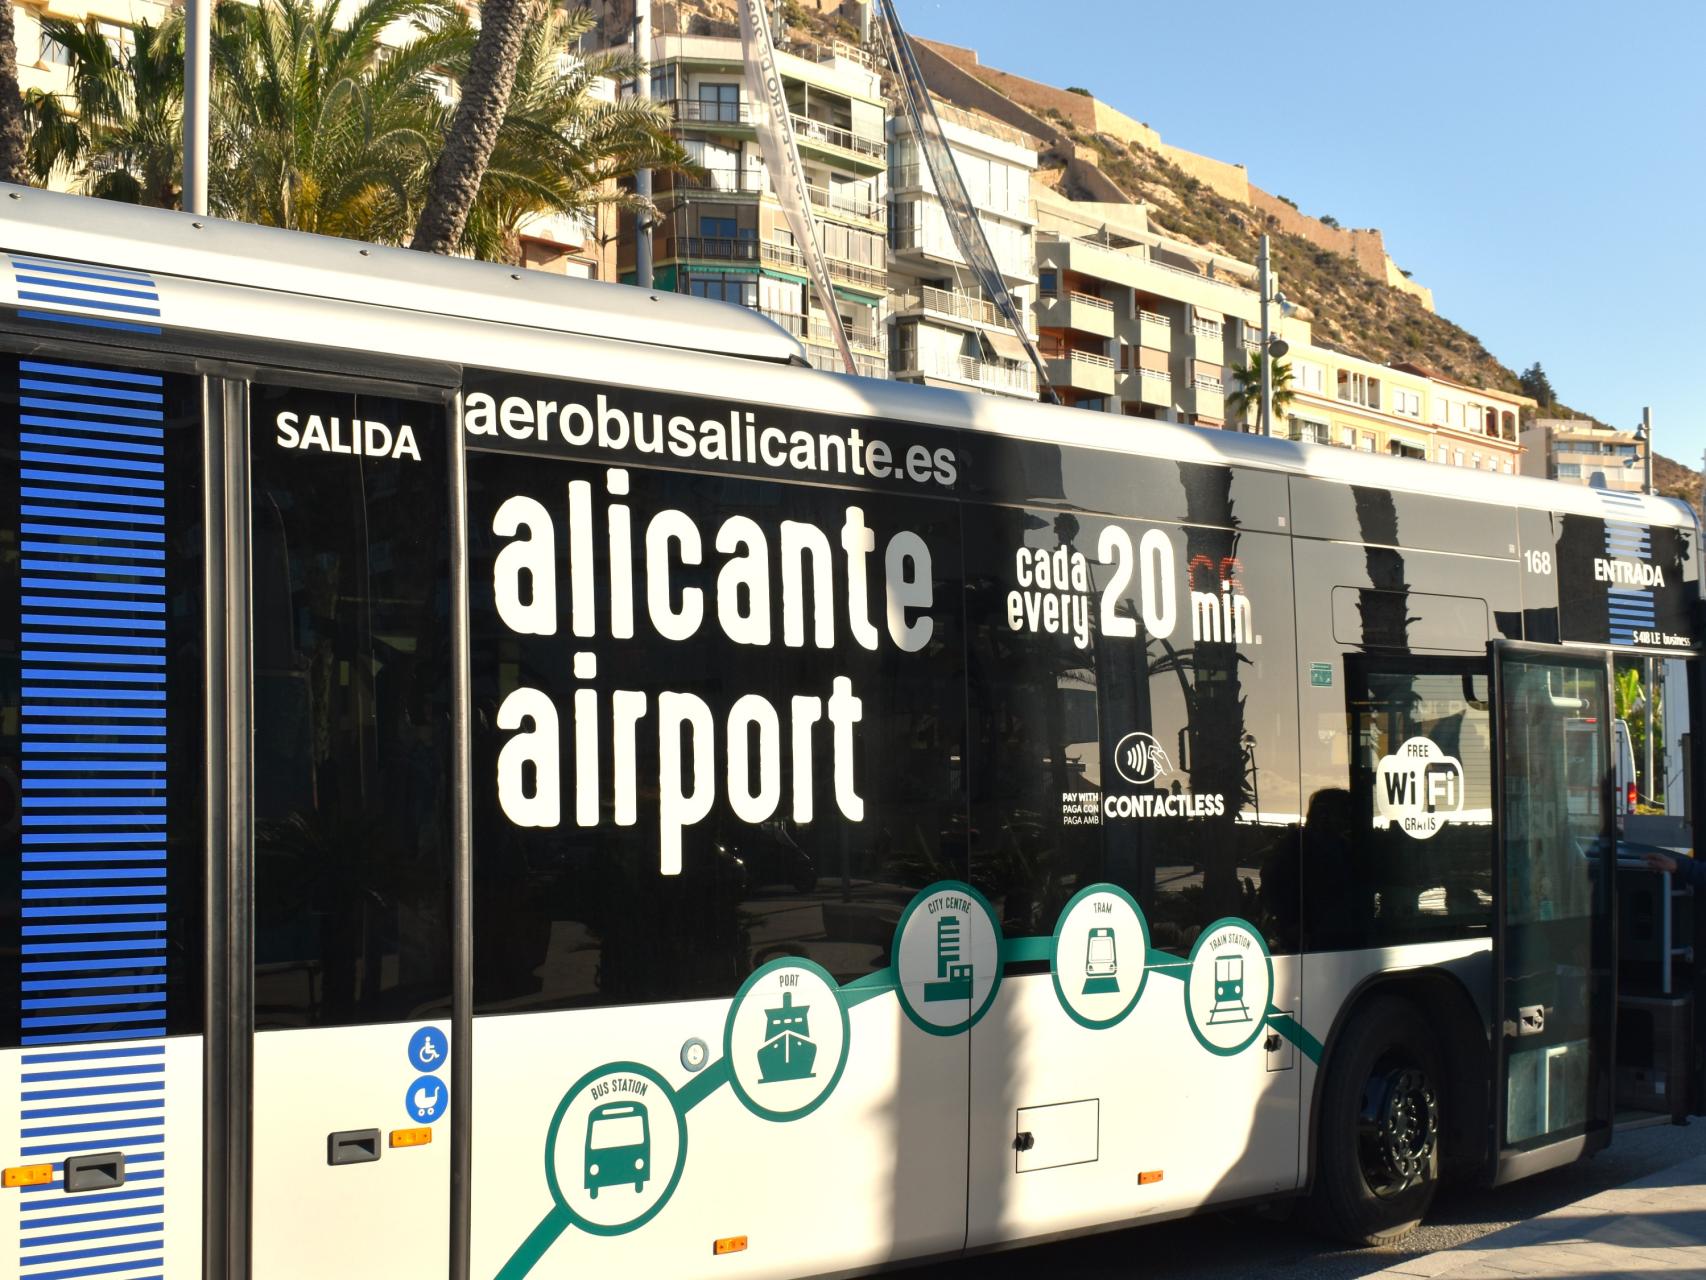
x=1397, y=1129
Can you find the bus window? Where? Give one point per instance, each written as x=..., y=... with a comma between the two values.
x=351, y=710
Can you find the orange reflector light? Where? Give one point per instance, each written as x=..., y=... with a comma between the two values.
x=28, y=1175
x=410, y=1137
x=1144, y=1179
x=728, y=1244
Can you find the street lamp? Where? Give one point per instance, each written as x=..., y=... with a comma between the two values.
x=1272, y=347
x=1644, y=450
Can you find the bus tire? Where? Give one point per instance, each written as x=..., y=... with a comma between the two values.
x=1378, y=1130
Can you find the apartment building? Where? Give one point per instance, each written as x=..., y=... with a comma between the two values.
x=46, y=66
x=722, y=234
x=943, y=331
x=1134, y=322
x=1580, y=451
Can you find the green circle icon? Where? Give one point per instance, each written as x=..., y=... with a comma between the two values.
x=947, y=958
x=616, y=1119
x=1100, y=959
x=1226, y=993
x=786, y=1039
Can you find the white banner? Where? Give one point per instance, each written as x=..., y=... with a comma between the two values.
x=775, y=130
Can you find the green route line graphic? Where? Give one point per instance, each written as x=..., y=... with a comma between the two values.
x=850, y=995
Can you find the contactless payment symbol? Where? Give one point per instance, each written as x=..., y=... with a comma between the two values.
x=1101, y=946
x=616, y=1148
x=427, y=1099
x=1229, y=986
x=947, y=958
x=786, y=1039
x=429, y=1049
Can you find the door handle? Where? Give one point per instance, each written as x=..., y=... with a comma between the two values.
x=94, y=1172
x=352, y=1146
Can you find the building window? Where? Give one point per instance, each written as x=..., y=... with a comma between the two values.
x=741, y=289
x=1457, y=458
x=1348, y=437
x=53, y=53
x=1405, y=402
x=719, y=103
x=1048, y=282
x=1308, y=377
x=1368, y=442
x=1569, y=471
x=1359, y=388
x=1310, y=432
x=1507, y=422
x=1444, y=455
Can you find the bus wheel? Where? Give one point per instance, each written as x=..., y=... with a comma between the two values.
x=1377, y=1134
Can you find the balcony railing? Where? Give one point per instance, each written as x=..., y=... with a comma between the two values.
x=757, y=182
x=948, y=303
x=1149, y=317
x=816, y=331
x=829, y=361
x=807, y=129
x=847, y=206
x=1207, y=329
x=1091, y=300
x=1158, y=375
x=695, y=111
x=1204, y=383
x=997, y=377
x=1090, y=358
x=725, y=249
x=905, y=176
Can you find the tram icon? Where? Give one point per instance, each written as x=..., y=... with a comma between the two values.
x=1229, y=1003
x=1101, y=962
x=618, y=1147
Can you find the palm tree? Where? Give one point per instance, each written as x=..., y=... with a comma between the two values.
x=119, y=132
x=14, y=134
x=317, y=125
x=473, y=133
x=562, y=149
x=1246, y=394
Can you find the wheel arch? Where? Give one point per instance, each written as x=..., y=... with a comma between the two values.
x=1445, y=1001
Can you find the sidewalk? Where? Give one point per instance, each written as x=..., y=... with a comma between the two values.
x=1653, y=1227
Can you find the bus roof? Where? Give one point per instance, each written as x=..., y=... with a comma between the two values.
x=224, y=277
x=167, y=242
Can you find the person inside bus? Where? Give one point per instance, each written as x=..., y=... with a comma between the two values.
x=1692, y=870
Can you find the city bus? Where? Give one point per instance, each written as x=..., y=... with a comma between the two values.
x=409, y=664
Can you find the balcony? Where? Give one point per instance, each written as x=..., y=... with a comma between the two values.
x=1081, y=311
x=829, y=201
x=1005, y=379
x=1209, y=342
x=815, y=331
x=1207, y=398
x=725, y=249
x=930, y=302
x=694, y=111
x=1146, y=386
x=1154, y=331
x=822, y=134
x=917, y=177
x=1082, y=371
x=829, y=360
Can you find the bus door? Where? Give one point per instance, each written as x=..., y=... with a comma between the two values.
x=1555, y=994
x=347, y=541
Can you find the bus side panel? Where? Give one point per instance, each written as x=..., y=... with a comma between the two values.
x=1134, y=806
x=718, y=751
x=101, y=749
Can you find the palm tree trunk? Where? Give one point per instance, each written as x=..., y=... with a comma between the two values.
x=14, y=137
x=474, y=129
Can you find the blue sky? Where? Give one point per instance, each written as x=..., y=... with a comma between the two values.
x=1542, y=167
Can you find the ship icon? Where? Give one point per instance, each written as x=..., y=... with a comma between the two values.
x=787, y=1052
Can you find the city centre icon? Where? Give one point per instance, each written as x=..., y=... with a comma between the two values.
x=1141, y=760
x=953, y=976
x=787, y=1052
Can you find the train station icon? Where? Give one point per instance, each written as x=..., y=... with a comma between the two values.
x=1228, y=1003
x=787, y=1052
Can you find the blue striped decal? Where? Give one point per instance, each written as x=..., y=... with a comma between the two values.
x=92, y=734
x=1628, y=609
x=93, y=297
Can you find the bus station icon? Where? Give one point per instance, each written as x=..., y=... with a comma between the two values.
x=787, y=1052
x=618, y=1147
